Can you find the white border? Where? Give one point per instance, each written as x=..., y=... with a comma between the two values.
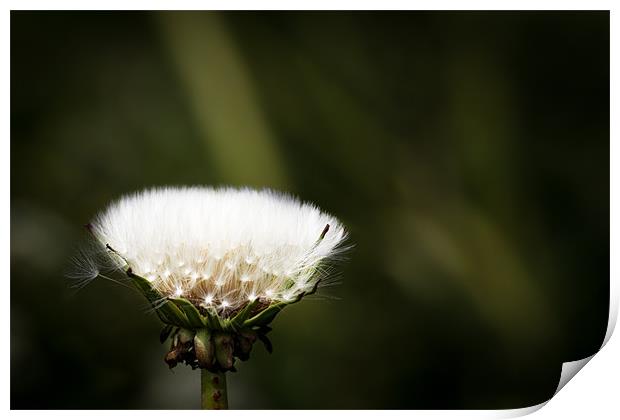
x=594, y=393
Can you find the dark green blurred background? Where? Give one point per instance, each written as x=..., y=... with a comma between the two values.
x=468, y=154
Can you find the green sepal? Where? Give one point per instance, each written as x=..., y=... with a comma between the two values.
x=174, y=313
x=265, y=316
x=151, y=294
x=168, y=312
x=193, y=316
x=237, y=321
x=213, y=320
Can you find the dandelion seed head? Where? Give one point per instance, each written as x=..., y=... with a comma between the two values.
x=221, y=245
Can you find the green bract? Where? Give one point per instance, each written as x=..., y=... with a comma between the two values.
x=200, y=337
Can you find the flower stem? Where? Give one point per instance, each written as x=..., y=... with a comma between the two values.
x=213, y=390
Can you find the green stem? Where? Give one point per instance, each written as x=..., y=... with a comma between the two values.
x=213, y=390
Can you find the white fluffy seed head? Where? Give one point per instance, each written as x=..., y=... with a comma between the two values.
x=220, y=247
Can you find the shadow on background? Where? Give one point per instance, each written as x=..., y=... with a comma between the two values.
x=468, y=154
